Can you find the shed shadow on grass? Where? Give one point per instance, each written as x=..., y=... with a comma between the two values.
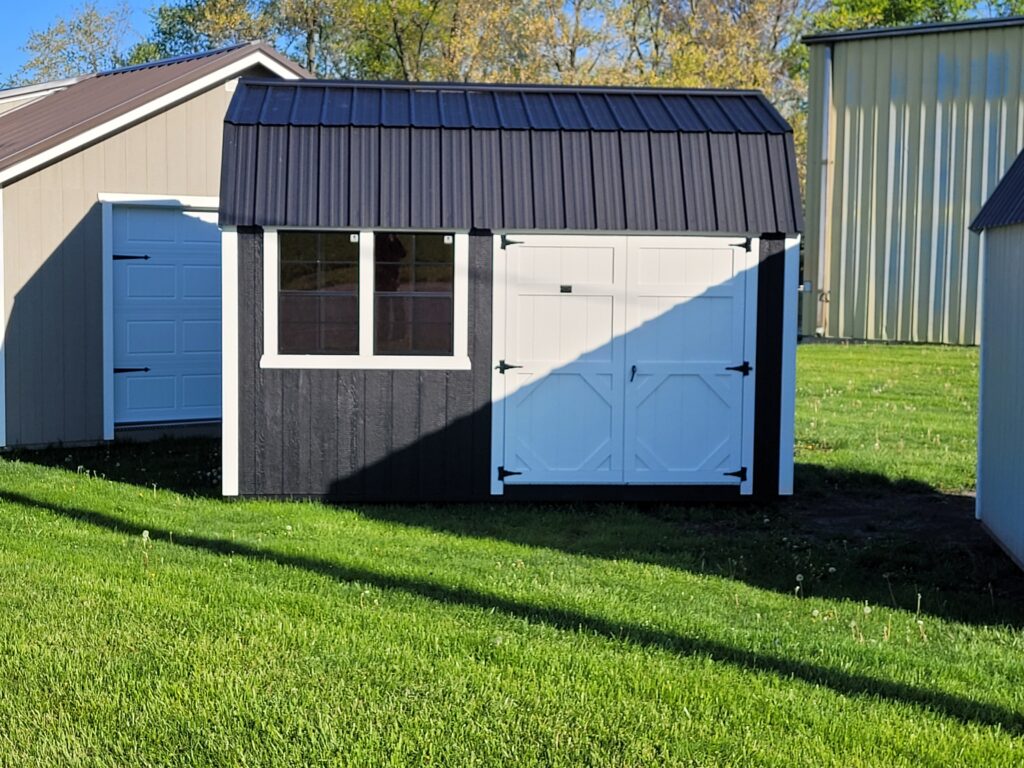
x=887, y=541
x=952, y=706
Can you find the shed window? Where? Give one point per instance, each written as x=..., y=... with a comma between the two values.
x=365, y=300
x=414, y=286
x=318, y=309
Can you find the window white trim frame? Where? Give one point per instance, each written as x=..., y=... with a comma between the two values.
x=149, y=108
x=366, y=360
x=790, y=329
x=229, y=374
x=107, y=201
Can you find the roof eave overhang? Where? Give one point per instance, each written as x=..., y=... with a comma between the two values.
x=30, y=160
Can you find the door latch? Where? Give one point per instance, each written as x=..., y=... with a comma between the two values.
x=632, y=373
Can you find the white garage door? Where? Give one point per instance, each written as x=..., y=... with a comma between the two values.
x=624, y=360
x=166, y=307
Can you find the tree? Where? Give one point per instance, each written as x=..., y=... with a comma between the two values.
x=862, y=14
x=89, y=40
x=193, y=26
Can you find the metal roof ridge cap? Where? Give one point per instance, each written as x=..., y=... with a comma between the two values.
x=171, y=60
x=907, y=30
x=49, y=85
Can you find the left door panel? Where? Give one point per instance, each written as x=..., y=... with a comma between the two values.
x=166, y=315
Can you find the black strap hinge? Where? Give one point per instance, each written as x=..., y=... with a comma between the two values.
x=503, y=473
x=502, y=366
x=741, y=473
x=119, y=257
x=131, y=370
x=745, y=369
x=506, y=242
x=746, y=244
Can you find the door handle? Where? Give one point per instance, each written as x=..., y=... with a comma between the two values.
x=632, y=373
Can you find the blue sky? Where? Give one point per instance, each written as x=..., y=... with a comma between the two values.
x=21, y=17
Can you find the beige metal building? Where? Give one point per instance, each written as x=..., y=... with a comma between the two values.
x=109, y=246
x=909, y=132
x=1000, y=497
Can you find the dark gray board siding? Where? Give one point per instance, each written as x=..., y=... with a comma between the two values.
x=349, y=435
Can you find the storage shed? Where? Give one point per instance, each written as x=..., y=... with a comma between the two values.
x=909, y=131
x=109, y=247
x=458, y=292
x=1000, y=485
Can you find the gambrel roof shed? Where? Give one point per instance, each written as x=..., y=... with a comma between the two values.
x=313, y=153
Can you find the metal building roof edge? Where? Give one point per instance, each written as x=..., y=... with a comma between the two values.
x=1005, y=206
x=933, y=28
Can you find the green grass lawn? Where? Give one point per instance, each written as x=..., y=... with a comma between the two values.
x=141, y=625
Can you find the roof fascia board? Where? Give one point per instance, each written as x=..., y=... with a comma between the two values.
x=158, y=104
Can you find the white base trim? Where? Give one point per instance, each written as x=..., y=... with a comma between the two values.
x=789, y=330
x=751, y=274
x=229, y=374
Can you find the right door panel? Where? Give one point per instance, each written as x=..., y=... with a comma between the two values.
x=685, y=304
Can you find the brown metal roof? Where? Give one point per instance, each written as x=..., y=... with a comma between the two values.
x=100, y=98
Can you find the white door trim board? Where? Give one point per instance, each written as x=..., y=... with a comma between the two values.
x=229, y=362
x=498, y=309
x=787, y=415
x=3, y=332
x=107, y=202
x=142, y=112
x=750, y=348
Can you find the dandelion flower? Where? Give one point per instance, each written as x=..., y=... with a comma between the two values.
x=799, y=577
x=867, y=609
x=145, y=535
x=831, y=569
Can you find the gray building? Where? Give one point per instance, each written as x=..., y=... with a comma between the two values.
x=109, y=247
x=1000, y=499
x=472, y=292
x=909, y=132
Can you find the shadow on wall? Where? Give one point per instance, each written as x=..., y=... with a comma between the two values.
x=658, y=404
x=954, y=706
x=54, y=336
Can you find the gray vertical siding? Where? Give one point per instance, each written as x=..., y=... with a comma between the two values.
x=1001, y=427
x=352, y=434
x=920, y=128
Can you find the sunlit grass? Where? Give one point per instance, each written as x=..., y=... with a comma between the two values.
x=140, y=626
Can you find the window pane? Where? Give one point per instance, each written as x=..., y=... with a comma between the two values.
x=298, y=276
x=414, y=285
x=318, y=299
x=298, y=246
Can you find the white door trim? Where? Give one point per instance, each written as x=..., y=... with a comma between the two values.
x=787, y=416
x=750, y=352
x=107, y=202
x=229, y=361
x=498, y=309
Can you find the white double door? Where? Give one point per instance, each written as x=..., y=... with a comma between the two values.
x=166, y=305
x=628, y=357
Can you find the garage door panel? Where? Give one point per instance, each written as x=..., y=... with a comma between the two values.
x=166, y=315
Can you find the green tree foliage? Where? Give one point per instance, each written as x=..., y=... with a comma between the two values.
x=90, y=39
x=191, y=26
x=863, y=14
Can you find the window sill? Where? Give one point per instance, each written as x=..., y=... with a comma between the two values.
x=367, y=362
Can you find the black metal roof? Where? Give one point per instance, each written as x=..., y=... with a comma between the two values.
x=1005, y=206
x=346, y=154
x=914, y=29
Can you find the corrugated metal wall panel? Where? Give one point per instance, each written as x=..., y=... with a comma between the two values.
x=669, y=203
x=364, y=177
x=486, y=178
x=921, y=130
x=757, y=187
x=516, y=180
x=695, y=152
x=424, y=192
x=301, y=208
x=272, y=180
x=638, y=182
x=606, y=157
x=730, y=213
x=578, y=177
x=334, y=174
x=456, y=179
x=396, y=167
x=548, y=194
